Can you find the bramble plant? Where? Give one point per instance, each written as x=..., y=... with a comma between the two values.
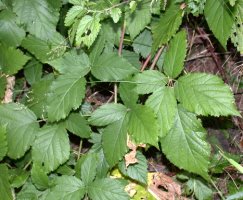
x=57, y=50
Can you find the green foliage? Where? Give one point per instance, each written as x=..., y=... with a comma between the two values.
x=71, y=59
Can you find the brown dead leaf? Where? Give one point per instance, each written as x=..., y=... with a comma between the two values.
x=130, y=158
x=163, y=187
x=8, y=97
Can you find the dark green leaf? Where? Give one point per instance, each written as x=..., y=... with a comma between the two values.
x=3, y=82
x=3, y=142
x=33, y=71
x=5, y=189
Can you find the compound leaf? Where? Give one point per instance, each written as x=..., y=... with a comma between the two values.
x=205, y=94
x=51, y=147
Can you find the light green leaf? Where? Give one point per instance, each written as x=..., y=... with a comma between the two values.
x=175, y=55
x=39, y=177
x=73, y=13
x=5, y=189
x=219, y=19
x=115, y=14
x=137, y=171
x=21, y=128
x=107, y=189
x=3, y=83
x=87, y=30
x=164, y=104
x=232, y=2
x=33, y=71
x=67, y=93
x=148, y=81
x=3, y=142
x=78, y=125
x=18, y=177
x=143, y=43
x=10, y=33
x=185, y=144
x=205, y=94
x=107, y=114
x=39, y=17
x=167, y=26
x=45, y=50
x=68, y=188
x=11, y=59
x=51, y=147
x=114, y=141
x=72, y=62
x=137, y=20
x=111, y=67
x=37, y=97
x=143, y=126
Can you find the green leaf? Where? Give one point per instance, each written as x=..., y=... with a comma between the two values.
x=175, y=55
x=3, y=142
x=21, y=128
x=10, y=33
x=39, y=177
x=67, y=93
x=73, y=13
x=37, y=101
x=87, y=31
x=78, y=125
x=107, y=189
x=143, y=126
x=33, y=71
x=137, y=171
x=18, y=177
x=143, y=43
x=111, y=67
x=148, y=81
x=164, y=104
x=107, y=114
x=166, y=27
x=51, y=147
x=185, y=144
x=68, y=188
x=205, y=94
x=219, y=19
x=5, y=189
x=72, y=62
x=39, y=17
x=115, y=14
x=137, y=20
x=3, y=83
x=45, y=50
x=11, y=59
x=114, y=141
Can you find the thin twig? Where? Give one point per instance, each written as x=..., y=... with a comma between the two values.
x=80, y=148
x=145, y=64
x=218, y=191
x=122, y=39
x=156, y=58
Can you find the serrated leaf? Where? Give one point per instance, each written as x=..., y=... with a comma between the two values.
x=111, y=67
x=11, y=59
x=143, y=126
x=205, y=94
x=74, y=12
x=164, y=104
x=219, y=19
x=72, y=62
x=114, y=141
x=37, y=97
x=67, y=93
x=45, y=50
x=3, y=142
x=5, y=189
x=137, y=171
x=185, y=144
x=68, y=188
x=107, y=114
x=39, y=17
x=78, y=125
x=115, y=14
x=148, y=81
x=175, y=55
x=51, y=147
x=10, y=33
x=137, y=20
x=39, y=177
x=107, y=189
x=166, y=27
x=132, y=57
x=143, y=43
x=21, y=128
x=33, y=71
x=87, y=30
x=3, y=83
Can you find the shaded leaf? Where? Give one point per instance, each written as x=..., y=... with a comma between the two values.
x=33, y=71
x=3, y=142
x=3, y=83
x=5, y=189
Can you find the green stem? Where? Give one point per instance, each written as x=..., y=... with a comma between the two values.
x=80, y=148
